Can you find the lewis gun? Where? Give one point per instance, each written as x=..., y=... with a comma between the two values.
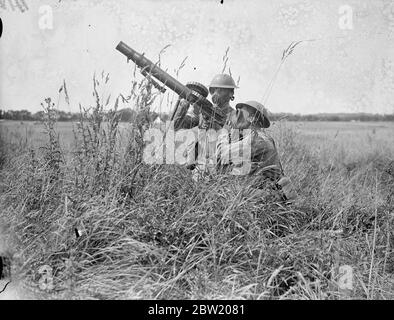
x=195, y=93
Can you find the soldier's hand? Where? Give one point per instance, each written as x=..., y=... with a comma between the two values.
x=184, y=105
x=228, y=126
x=287, y=189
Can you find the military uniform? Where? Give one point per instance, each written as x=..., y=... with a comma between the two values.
x=201, y=153
x=256, y=152
x=189, y=117
x=252, y=152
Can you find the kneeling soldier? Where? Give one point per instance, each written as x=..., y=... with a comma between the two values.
x=244, y=141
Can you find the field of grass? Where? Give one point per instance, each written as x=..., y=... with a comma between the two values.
x=111, y=227
x=353, y=137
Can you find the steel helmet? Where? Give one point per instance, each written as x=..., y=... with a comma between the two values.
x=222, y=81
x=260, y=108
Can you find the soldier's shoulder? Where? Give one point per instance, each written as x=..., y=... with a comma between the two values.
x=228, y=109
x=262, y=135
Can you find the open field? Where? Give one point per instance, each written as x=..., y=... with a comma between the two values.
x=110, y=227
x=353, y=135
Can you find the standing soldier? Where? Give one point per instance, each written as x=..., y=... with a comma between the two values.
x=247, y=130
x=189, y=116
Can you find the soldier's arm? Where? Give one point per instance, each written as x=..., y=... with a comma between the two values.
x=265, y=157
x=184, y=117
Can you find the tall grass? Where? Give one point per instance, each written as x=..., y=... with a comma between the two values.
x=112, y=227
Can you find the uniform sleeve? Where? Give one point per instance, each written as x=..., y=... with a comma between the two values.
x=265, y=158
x=264, y=150
x=186, y=116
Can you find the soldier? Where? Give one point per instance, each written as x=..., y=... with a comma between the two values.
x=222, y=92
x=246, y=129
x=221, y=89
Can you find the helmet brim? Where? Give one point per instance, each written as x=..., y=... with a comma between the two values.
x=223, y=86
x=266, y=121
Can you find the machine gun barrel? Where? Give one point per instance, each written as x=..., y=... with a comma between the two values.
x=148, y=67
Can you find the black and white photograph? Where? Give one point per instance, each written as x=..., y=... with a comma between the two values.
x=211, y=151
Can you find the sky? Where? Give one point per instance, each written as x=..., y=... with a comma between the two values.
x=347, y=64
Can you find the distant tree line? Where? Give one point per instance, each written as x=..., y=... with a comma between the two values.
x=25, y=115
x=127, y=115
x=333, y=117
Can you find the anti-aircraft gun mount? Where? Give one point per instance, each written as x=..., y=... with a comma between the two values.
x=193, y=92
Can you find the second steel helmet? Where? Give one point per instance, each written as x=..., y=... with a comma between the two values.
x=260, y=108
x=222, y=81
